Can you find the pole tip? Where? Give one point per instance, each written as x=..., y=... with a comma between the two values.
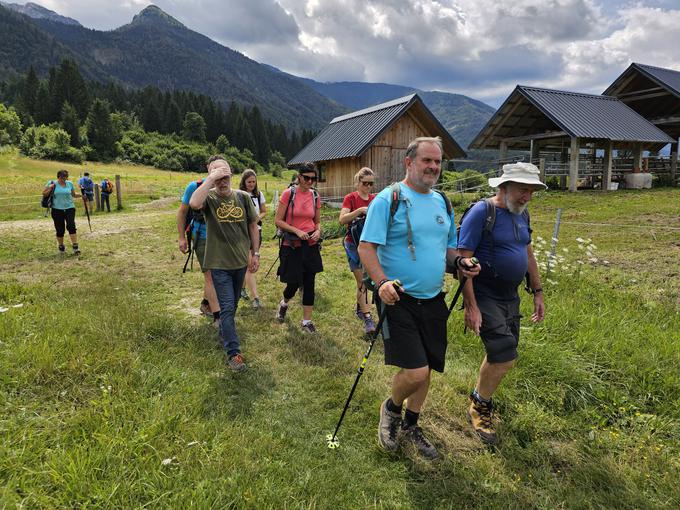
x=332, y=441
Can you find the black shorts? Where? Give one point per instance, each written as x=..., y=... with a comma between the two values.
x=415, y=332
x=295, y=261
x=500, y=328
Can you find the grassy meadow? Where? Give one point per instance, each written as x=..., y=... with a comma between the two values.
x=114, y=392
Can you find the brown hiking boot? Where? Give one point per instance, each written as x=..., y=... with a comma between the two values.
x=414, y=436
x=480, y=415
x=388, y=428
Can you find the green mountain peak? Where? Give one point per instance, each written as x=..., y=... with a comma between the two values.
x=154, y=15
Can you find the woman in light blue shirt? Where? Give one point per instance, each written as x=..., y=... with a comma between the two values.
x=63, y=209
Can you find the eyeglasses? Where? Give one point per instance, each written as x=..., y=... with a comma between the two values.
x=308, y=178
x=368, y=183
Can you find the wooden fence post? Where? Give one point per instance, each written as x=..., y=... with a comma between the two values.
x=119, y=194
x=97, y=198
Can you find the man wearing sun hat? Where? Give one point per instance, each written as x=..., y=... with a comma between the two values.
x=491, y=299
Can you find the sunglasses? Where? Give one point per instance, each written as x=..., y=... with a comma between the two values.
x=368, y=183
x=308, y=178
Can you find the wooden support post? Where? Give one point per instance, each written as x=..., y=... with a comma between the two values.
x=503, y=151
x=541, y=169
x=674, y=163
x=119, y=193
x=573, y=164
x=97, y=198
x=534, y=150
x=608, y=164
x=637, y=158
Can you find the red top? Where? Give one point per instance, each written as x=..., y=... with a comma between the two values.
x=353, y=201
x=301, y=212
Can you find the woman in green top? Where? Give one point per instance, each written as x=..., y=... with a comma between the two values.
x=63, y=209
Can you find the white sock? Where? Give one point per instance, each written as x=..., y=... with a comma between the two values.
x=306, y=321
x=283, y=303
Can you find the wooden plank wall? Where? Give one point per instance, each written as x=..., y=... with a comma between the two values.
x=385, y=157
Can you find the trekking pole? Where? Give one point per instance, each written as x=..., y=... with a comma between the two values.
x=459, y=290
x=271, y=267
x=331, y=439
x=87, y=213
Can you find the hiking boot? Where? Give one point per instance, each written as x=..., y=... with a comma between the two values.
x=281, y=312
x=357, y=311
x=244, y=294
x=369, y=325
x=480, y=415
x=237, y=364
x=414, y=436
x=76, y=250
x=256, y=304
x=62, y=248
x=388, y=428
x=205, y=309
x=309, y=327
x=216, y=324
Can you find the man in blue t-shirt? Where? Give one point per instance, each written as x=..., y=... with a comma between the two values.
x=210, y=306
x=87, y=187
x=412, y=246
x=491, y=300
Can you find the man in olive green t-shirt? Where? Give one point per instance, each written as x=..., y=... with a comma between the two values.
x=231, y=232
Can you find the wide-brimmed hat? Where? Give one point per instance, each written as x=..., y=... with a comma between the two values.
x=523, y=173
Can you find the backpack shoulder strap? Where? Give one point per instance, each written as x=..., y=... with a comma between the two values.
x=395, y=191
x=490, y=218
x=447, y=202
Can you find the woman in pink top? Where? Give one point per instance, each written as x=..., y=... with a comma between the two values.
x=354, y=207
x=298, y=216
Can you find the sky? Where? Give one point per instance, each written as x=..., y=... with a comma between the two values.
x=480, y=48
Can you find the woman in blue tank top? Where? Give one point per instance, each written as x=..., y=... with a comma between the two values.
x=63, y=209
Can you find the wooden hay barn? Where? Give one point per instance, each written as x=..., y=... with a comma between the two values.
x=375, y=137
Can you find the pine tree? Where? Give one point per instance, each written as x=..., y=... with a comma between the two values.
x=29, y=93
x=70, y=86
x=262, y=148
x=193, y=128
x=43, y=105
x=70, y=123
x=172, y=118
x=100, y=130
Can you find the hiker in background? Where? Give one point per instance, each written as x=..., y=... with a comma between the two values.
x=192, y=233
x=412, y=245
x=249, y=185
x=106, y=190
x=353, y=212
x=298, y=216
x=87, y=189
x=491, y=300
x=231, y=233
x=63, y=209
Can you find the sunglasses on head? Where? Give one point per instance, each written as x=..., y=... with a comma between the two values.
x=308, y=178
x=368, y=183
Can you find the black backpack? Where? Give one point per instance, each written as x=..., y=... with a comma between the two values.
x=46, y=201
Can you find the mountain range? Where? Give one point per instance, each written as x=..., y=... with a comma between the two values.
x=156, y=49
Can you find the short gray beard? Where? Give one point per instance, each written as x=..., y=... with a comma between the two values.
x=514, y=209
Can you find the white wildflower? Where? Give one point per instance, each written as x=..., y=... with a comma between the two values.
x=3, y=309
x=18, y=306
x=167, y=462
x=551, y=282
x=606, y=261
x=539, y=238
x=580, y=240
x=193, y=443
x=593, y=260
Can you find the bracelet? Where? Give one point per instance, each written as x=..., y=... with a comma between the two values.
x=381, y=283
x=536, y=291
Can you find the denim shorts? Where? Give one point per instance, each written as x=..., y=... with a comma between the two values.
x=352, y=255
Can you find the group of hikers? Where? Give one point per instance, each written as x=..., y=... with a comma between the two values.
x=58, y=198
x=401, y=242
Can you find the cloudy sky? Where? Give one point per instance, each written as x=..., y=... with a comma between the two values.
x=481, y=48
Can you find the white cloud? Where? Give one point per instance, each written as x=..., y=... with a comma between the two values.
x=482, y=48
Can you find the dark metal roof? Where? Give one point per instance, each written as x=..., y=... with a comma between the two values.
x=350, y=135
x=666, y=78
x=578, y=115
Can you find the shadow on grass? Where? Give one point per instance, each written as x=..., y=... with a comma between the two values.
x=313, y=349
x=234, y=394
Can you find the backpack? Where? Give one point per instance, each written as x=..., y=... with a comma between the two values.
x=489, y=222
x=394, y=205
x=108, y=186
x=46, y=201
x=280, y=234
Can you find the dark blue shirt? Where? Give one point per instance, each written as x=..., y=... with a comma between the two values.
x=504, y=263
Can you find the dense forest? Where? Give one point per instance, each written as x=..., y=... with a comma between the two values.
x=65, y=117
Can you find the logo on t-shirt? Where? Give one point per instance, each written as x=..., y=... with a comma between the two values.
x=440, y=219
x=229, y=212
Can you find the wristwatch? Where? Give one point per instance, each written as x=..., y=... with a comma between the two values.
x=256, y=254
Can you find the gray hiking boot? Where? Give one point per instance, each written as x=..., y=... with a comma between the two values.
x=256, y=304
x=388, y=428
x=281, y=312
x=237, y=363
x=244, y=294
x=309, y=327
x=369, y=325
x=414, y=436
